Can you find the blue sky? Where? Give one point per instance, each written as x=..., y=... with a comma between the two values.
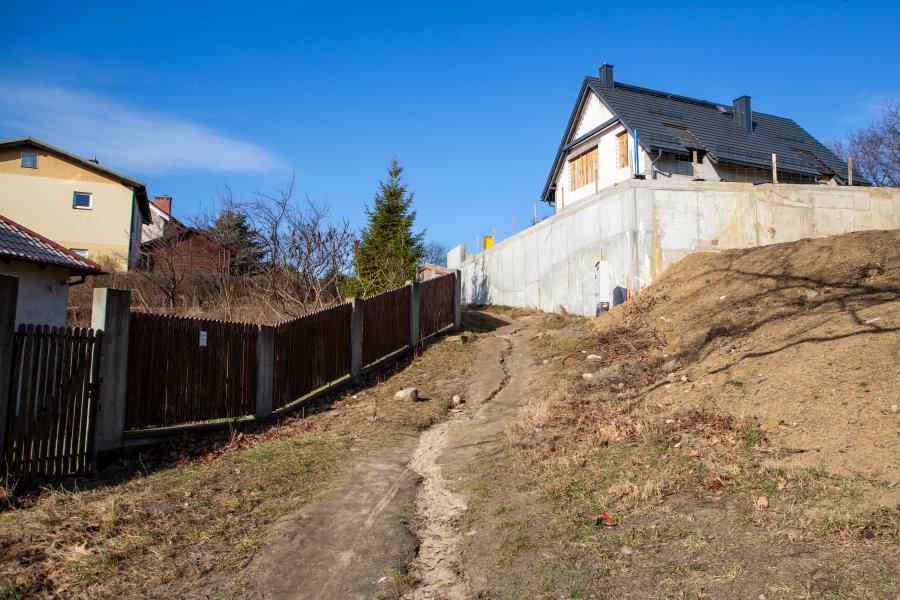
x=471, y=97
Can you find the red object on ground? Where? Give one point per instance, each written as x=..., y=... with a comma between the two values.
x=604, y=520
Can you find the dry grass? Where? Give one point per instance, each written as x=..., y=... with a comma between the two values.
x=208, y=504
x=730, y=477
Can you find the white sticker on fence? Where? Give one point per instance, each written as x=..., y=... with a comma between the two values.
x=203, y=338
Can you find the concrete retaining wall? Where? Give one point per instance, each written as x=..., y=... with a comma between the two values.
x=623, y=238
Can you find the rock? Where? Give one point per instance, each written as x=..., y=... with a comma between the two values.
x=333, y=413
x=594, y=357
x=588, y=376
x=162, y=508
x=621, y=370
x=672, y=365
x=810, y=294
x=626, y=551
x=684, y=378
x=455, y=401
x=545, y=361
x=762, y=502
x=411, y=394
x=895, y=409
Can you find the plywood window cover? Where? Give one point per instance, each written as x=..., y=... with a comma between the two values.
x=622, y=148
x=583, y=169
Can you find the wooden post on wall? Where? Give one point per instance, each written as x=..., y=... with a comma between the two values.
x=774, y=168
x=849, y=170
x=9, y=293
x=696, y=174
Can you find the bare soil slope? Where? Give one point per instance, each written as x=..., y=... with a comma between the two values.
x=802, y=338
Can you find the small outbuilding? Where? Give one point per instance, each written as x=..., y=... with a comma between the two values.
x=45, y=270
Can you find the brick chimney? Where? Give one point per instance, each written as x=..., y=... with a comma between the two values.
x=164, y=203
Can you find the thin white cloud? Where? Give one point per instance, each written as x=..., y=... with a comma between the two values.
x=124, y=137
x=867, y=106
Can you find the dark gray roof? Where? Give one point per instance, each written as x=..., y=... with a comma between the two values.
x=20, y=243
x=680, y=124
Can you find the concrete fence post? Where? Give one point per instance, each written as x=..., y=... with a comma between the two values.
x=265, y=371
x=413, y=314
x=111, y=313
x=457, y=299
x=9, y=293
x=356, y=338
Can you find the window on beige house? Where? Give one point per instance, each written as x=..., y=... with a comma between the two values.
x=622, y=140
x=583, y=169
x=28, y=160
x=82, y=252
x=82, y=200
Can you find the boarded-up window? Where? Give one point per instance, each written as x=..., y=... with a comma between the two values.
x=622, y=140
x=583, y=169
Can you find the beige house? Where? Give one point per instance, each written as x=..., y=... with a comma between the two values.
x=93, y=211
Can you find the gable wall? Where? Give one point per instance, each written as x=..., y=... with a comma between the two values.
x=41, y=199
x=594, y=113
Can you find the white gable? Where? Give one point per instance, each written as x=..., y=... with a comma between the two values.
x=593, y=113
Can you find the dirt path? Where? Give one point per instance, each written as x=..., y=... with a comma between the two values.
x=353, y=542
x=495, y=396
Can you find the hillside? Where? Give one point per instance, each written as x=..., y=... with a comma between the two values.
x=736, y=421
x=802, y=338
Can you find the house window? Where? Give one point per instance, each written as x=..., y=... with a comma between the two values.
x=82, y=200
x=82, y=252
x=622, y=141
x=28, y=160
x=583, y=169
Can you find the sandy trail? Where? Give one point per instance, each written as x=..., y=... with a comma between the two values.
x=495, y=396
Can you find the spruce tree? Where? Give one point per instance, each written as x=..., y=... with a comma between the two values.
x=233, y=229
x=388, y=253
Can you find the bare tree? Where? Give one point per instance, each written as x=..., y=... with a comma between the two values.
x=163, y=265
x=876, y=148
x=436, y=253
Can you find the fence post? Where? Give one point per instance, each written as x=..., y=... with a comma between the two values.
x=457, y=299
x=265, y=371
x=356, y=338
x=111, y=312
x=413, y=313
x=9, y=293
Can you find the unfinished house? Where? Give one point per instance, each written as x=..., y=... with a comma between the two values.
x=618, y=132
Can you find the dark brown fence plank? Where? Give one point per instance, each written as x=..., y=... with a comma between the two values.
x=385, y=324
x=311, y=352
x=435, y=305
x=172, y=380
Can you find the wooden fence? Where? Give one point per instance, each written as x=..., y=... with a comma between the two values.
x=311, y=352
x=162, y=371
x=52, y=401
x=183, y=370
x=385, y=324
x=435, y=305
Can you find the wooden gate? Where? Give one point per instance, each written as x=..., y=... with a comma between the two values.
x=53, y=400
